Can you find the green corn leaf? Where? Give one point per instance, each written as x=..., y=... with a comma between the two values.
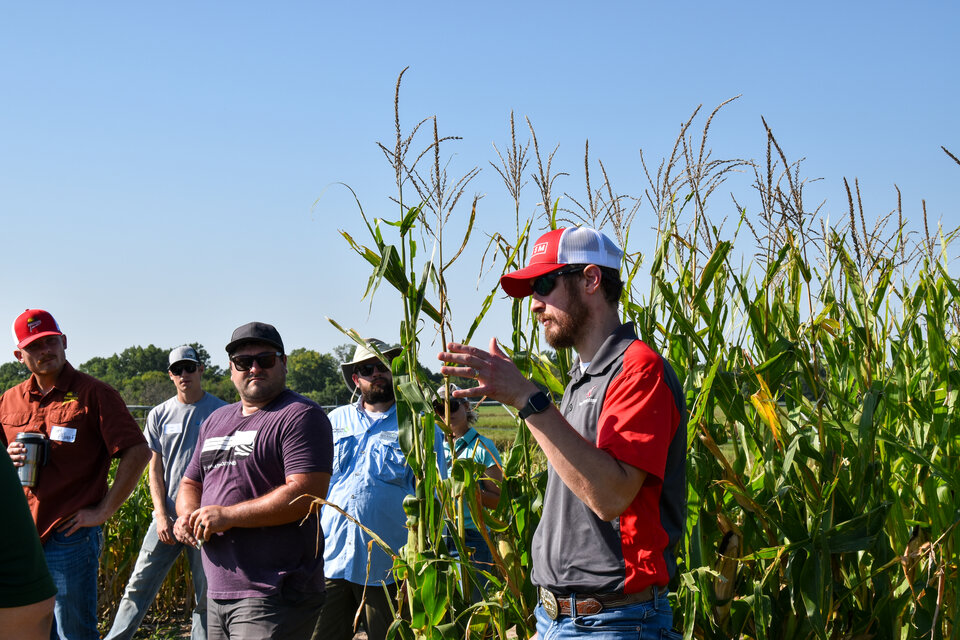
x=859, y=533
x=409, y=218
x=707, y=275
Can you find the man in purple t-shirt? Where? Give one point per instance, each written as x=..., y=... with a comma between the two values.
x=238, y=498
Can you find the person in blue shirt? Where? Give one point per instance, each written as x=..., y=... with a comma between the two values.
x=370, y=480
x=470, y=445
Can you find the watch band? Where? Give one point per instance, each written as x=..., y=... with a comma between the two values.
x=536, y=403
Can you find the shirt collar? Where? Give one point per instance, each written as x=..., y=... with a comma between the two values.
x=386, y=414
x=64, y=380
x=468, y=436
x=608, y=353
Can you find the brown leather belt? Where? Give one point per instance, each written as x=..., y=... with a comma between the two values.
x=585, y=604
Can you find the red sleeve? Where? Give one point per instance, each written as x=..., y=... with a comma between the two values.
x=118, y=428
x=639, y=415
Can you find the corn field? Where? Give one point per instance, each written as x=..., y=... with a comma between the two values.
x=820, y=364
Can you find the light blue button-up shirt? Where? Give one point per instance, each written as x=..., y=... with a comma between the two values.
x=370, y=480
x=473, y=446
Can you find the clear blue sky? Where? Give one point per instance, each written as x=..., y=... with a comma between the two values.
x=159, y=162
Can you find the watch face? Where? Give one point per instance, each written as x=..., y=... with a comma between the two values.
x=539, y=401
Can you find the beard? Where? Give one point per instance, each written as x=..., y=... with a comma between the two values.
x=567, y=326
x=377, y=391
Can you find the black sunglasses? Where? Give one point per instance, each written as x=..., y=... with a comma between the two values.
x=546, y=283
x=454, y=406
x=178, y=368
x=366, y=369
x=263, y=360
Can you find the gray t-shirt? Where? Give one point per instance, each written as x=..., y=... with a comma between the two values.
x=172, y=430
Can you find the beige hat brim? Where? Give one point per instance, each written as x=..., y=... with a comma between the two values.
x=346, y=368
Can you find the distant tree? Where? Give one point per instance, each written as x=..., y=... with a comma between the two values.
x=344, y=353
x=210, y=370
x=151, y=388
x=222, y=388
x=129, y=363
x=316, y=376
x=12, y=374
x=135, y=361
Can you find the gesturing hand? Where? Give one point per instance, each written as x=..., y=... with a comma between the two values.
x=496, y=375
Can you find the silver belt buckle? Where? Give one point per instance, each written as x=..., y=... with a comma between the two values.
x=549, y=602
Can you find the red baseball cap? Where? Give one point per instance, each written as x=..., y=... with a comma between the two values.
x=33, y=324
x=558, y=248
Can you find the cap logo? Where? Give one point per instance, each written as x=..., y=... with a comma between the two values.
x=540, y=247
x=33, y=324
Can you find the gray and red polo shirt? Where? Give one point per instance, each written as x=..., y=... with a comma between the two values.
x=630, y=403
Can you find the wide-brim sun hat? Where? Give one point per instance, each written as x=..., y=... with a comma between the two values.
x=558, y=248
x=365, y=353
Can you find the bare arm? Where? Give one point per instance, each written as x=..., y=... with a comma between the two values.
x=602, y=482
x=272, y=509
x=29, y=622
x=158, y=493
x=188, y=501
x=132, y=462
x=490, y=490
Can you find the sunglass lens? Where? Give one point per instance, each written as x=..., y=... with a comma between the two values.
x=263, y=360
x=242, y=363
x=454, y=406
x=368, y=369
x=178, y=369
x=544, y=284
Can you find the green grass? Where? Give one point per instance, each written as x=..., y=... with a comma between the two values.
x=497, y=423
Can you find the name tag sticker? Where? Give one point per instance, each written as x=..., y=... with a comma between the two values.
x=63, y=434
x=172, y=428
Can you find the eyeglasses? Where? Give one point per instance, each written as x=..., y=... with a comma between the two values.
x=545, y=283
x=263, y=360
x=366, y=369
x=179, y=368
x=455, y=404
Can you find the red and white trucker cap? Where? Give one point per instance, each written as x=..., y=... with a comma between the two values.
x=33, y=324
x=558, y=248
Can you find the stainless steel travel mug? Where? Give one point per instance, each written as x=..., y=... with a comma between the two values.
x=36, y=444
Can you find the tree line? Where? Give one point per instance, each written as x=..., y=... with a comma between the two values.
x=140, y=374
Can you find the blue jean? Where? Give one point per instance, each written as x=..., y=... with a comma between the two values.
x=153, y=565
x=74, y=562
x=650, y=620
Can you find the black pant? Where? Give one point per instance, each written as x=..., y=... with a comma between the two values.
x=340, y=609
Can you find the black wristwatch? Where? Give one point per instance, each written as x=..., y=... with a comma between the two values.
x=537, y=403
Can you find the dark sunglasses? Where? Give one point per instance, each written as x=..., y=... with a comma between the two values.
x=454, y=406
x=178, y=368
x=366, y=370
x=546, y=283
x=263, y=360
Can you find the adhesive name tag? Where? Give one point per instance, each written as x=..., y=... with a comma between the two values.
x=172, y=428
x=63, y=434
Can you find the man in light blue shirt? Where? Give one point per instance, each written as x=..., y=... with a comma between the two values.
x=370, y=480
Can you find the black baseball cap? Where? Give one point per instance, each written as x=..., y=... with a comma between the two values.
x=255, y=332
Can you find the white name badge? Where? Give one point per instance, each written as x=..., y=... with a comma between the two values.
x=172, y=428
x=63, y=434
